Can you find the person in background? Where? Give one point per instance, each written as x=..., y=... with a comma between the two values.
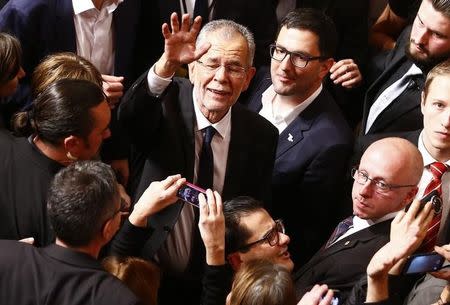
x=140, y=276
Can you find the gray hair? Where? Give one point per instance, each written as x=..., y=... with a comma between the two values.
x=228, y=29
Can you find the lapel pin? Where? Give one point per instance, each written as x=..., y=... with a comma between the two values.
x=290, y=138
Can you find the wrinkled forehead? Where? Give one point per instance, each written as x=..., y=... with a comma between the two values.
x=226, y=47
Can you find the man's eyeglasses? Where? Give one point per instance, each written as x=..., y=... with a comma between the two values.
x=298, y=59
x=234, y=71
x=362, y=177
x=272, y=237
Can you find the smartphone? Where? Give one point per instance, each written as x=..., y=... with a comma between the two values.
x=436, y=202
x=423, y=262
x=189, y=192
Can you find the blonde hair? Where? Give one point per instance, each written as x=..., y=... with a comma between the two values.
x=140, y=276
x=261, y=282
x=63, y=65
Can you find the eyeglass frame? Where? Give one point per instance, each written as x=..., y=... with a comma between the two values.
x=304, y=57
x=213, y=68
x=277, y=229
x=380, y=185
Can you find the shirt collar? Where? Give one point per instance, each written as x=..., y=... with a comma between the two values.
x=221, y=127
x=359, y=222
x=81, y=6
x=269, y=95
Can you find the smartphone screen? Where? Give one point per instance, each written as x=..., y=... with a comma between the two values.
x=189, y=193
x=424, y=262
x=335, y=299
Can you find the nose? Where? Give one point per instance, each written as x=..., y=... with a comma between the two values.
x=21, y=73
x=366, y=188
x=286, y=62
x=421, y=36
x=221, y=74
x=446, y=120
x=283, y=238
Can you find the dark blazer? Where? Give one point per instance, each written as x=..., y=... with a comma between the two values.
x=403, y=114
x=163, y=128
x=46, y=26
x=310, y=164
x=343, y=264
x=258, y=15
x=57, y=275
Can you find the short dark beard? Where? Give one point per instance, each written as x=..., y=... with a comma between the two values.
x=425, y=64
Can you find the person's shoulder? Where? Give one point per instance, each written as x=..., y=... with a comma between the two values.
x=111, y=290
x=253, y=120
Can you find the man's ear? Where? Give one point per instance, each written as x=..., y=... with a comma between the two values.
x=72, y=145
x=325, y=67
x=191, y=70
x=422, y=102
x=410, y=196
x=234, y=259
x=109, y=230
x=248, y=77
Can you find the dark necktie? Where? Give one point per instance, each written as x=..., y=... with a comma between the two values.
x=437, y=169
x=201, y=9
x=206, y=165
x=341, y=228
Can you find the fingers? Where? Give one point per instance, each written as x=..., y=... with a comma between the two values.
x=346, y=73
x=201, y=50
x=185, y=23
x=174, y=23
x=166, y=183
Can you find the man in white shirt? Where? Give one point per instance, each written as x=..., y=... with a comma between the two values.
x=315, y=140
x=168, y=118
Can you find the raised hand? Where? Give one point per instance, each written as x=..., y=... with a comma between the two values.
x=179, y=44
x=156, y=197
x=212, y=227
x=318, y=295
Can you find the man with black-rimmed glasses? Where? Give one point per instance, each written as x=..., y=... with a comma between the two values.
x=315, y=140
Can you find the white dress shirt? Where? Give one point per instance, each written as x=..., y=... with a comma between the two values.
x=361, y=224
x=94, y=31
x=389, y=95
x=175, y=253
x=426, y=178
x=281, y=120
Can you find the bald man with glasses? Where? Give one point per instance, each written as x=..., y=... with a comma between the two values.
x=385, y=181
x=315, y=139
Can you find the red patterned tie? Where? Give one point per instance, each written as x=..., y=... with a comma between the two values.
x=437, y=169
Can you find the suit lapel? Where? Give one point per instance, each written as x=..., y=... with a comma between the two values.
x=188, y=122
x=347, y=243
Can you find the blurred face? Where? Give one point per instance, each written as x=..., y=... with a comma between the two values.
x=436, y=118
x=289, y=80
x=369, y=202
x=260, y=223
x=91, y=146
x=10, y=86
x=430, y=36
x=218, y=89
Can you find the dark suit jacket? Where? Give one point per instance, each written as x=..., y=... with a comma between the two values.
x=258, y=15
x=163, y=128
x=308, y=170
x=343, y=264
x=403, y=114
x=57, y=275
x=46, y=26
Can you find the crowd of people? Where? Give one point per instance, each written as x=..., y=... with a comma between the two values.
x=311, y=139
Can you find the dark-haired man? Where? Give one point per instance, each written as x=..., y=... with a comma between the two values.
x=315, y=140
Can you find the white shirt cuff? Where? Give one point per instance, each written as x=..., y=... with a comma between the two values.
x=157, y=84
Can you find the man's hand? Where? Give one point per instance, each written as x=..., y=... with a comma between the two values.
x=212, y=227
x=407, y=232
x=443, y=273
x=156, y=197
x=314, y=296
x=346, y=73
x=179, y=45
x=113, y=89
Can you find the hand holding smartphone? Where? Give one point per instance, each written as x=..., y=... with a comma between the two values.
x=436, y=202
x=189, y=193
x=423, y=262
